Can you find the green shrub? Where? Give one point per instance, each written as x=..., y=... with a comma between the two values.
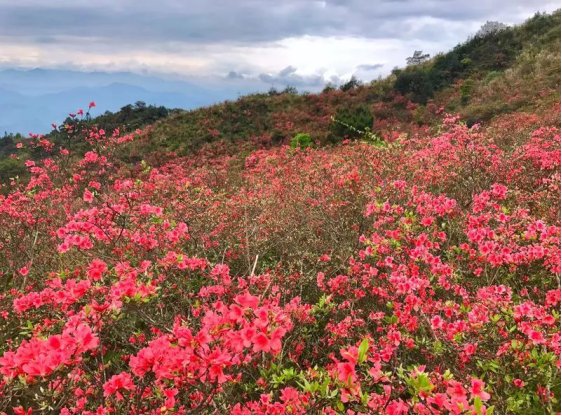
x=491, y=76
x=10, y=168
x=351, y=123
x=466, y=90
x=301, y=140
x=415, y=83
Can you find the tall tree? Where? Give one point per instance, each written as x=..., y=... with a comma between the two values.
x=417, y=58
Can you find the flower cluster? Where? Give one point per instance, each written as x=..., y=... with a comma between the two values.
x=421, y=276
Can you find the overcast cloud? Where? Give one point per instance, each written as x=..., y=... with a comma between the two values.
x=294, y=42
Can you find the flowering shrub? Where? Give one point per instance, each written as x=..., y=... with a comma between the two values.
x=421, y=277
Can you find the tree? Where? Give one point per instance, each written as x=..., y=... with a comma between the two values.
x=351, y=84
x=417, y=58
x=329, y=87
x=490, y=27
x=289, y=89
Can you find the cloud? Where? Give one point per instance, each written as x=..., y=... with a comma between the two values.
x=245, y=21
x=287, y=71
x=368, y=71
x=288, y=76
x=243, y=38
x=369, y=67
x=234, y=75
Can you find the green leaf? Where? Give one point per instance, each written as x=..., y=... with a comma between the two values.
x=362, y=351
x=438, y=347
x=110, y=356
x=478, y=404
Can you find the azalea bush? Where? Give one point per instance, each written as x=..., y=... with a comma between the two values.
x=422, y=276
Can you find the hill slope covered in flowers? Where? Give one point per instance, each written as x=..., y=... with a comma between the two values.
x=415, y=274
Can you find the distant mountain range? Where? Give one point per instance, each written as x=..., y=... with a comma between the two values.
x=30, y=100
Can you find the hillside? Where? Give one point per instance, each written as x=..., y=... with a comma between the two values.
x=401, y=255
x=476, y=80
x=128, y=119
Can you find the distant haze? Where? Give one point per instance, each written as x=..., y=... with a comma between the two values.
x=31, y=100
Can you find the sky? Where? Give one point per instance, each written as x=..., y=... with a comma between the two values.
x=303, y=43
